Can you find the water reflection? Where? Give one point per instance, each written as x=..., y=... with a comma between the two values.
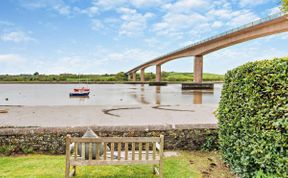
x=197, y=97
x=81, y=99
x=142, y=97
x=198, y=94
x=158, y=96
x=118, y=94
x=153, y=94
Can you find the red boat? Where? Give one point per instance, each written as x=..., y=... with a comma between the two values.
x=83, y=89
x=80, y=92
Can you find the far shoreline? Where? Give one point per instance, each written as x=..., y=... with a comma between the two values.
x=100, y=82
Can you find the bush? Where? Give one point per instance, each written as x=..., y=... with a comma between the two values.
x=253, y=119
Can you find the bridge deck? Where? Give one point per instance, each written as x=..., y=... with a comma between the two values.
x=207, y=40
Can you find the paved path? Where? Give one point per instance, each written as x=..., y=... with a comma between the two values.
x=75, y=116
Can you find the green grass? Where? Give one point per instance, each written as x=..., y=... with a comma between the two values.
x=186, y=77
x=187, y=164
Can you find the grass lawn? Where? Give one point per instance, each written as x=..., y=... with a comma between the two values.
x=186, y=164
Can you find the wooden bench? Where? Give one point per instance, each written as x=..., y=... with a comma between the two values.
x=123, y=151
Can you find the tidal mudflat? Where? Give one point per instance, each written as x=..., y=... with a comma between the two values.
x=43, y=105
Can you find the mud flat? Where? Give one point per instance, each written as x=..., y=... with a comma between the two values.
x=129, y=115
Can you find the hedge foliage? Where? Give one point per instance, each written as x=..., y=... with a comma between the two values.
x=253, y=119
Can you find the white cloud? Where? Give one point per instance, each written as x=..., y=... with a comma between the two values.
x=97, y=24
x=139, y=4
x=223, y=14
x=244, y=3
x=57, y=5
x=62, y=9
x=16, y=36
x=134, y=23
x=175, y=24
x=108, y=4
x=217, y=24
x=147, y=3
x=10, y=59
x=242, y=17
x=185, y=5
x=273, y=10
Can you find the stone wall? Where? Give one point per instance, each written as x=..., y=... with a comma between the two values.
x=52, y=140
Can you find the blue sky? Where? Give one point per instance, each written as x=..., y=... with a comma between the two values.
x=108, y=36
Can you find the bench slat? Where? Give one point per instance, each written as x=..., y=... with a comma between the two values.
x=112, y=151
x=75, y=150
x=90, y=151
x=122, y=156
x=154, y=151
x=126, y=151
x=140, y=151
x=97, y=151
x=133, y=151
x=116, y=139
x=83, y=151
x=119, y=151
x=105, y=151
x=147, y=150
x=114, y=162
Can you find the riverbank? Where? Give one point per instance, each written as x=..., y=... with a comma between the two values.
x=121, y=77
x=96, y=82
x=122, y=115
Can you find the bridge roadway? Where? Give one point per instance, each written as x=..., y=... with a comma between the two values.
x=270, y=25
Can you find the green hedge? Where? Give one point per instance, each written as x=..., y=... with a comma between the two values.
x=253, y=119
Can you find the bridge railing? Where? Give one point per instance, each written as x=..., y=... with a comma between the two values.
x=251, y=24
x=254, y=23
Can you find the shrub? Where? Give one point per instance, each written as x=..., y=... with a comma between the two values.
x=253, y=119
x=7, y=149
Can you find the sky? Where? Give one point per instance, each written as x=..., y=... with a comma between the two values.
x=109, y=36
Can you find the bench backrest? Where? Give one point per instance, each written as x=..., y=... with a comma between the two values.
x=115, y=150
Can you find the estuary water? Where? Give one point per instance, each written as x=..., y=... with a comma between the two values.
x=105, y=94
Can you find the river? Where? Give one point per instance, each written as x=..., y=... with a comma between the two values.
x=105, y=94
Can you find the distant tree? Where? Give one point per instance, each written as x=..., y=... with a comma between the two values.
x=284, y=7
x=121, y=76
x=36, y=73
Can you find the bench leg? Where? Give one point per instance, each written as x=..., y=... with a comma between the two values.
x=161, y=169
x=74, y=169
x=67, y=170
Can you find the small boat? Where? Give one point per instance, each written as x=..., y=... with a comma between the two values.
x=80, y=92
x=82, y=89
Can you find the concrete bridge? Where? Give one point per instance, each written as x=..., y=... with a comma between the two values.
x=273, y=24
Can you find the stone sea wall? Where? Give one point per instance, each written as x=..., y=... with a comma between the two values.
x=52, y=140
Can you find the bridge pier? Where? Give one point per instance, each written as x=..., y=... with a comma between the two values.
x=198, y=69
x=158, y=73
x=142, y=75
x=134, y=76
x=130, y=76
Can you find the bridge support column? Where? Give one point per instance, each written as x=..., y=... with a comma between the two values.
x=158, y=73
x=134, y=76
x=142, y=75
x=198, y=69
x=130, y=76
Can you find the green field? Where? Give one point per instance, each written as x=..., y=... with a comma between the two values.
x=112, y=78
x=186, y=164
